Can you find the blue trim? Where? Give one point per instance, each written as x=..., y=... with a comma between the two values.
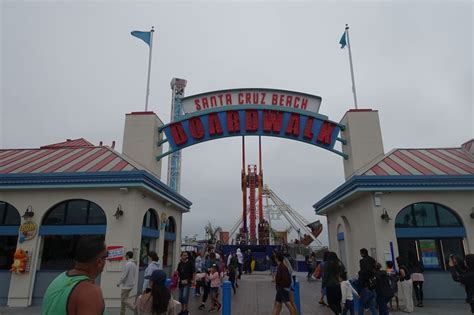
x=9, y=230
x=150, y=232
x=93, y=179
x=170, y=236
x=340, y=236
x=72, y=229
x=394, y=183
x=430, y=232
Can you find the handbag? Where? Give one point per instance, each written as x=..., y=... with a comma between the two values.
x=317, y=272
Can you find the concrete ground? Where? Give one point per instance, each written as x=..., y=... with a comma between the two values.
x=256, y=294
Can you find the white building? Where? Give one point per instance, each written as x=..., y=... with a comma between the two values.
x=75, y=188
x=417, y=203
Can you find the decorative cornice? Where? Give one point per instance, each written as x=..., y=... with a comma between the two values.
x=365, y=183
x=95, y=179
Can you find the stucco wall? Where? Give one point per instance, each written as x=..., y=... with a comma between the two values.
x=125, y=231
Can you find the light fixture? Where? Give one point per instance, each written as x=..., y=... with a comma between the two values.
x=472, y=213
x=163, y=220
x=119, y=212
x=28, y=213
x=385, y=216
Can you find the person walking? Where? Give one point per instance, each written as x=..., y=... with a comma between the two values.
x=367, y=282
x=393, y=278
x=158, y=300
x=240, y=260
x=382, y=289
x=127, y=281
x=210, y=260
x=186, y=274
x=406, y=284
x=283, y=284
x=73, y=292
x=465, y=276
x=273, y=265
x=215, y=282
x=418, y=279
x=152, y=266
x=333, y=271
x=231, y=273
x=347, y=295
x=323, y=288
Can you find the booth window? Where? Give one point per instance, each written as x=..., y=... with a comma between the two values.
x=9, y=223
x=150, y=221
x=430, y=233
x=170, y=225
x=61, y=228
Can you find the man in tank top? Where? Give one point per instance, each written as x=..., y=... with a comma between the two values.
x=73, y=292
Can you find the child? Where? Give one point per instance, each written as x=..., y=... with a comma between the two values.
x=215, y=280
x=393, y=278
x=232, y=274
x=347, y=292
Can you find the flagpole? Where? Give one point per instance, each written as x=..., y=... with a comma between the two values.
x=149, y=69
x=352, y=67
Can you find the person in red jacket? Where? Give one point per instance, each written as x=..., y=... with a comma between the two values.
x=283, y=286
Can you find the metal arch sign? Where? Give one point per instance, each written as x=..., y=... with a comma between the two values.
x=250, y=96
x=251, y=120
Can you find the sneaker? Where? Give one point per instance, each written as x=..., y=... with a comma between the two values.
x=212, y=309
x=202, y=306
x=219, y=306
x=197, y=294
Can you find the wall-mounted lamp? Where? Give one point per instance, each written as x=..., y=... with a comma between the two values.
x=28, y=213
x=163, y=220
x=385, y=216
x=119, y=212
x=472, y=213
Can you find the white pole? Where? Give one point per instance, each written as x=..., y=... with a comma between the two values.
x=149, y=69
x=352, y=68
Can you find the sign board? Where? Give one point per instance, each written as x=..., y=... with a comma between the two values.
x=251, y=96
x=28, y=229
x=299, y=125
x=115, y=253
x=429, y=254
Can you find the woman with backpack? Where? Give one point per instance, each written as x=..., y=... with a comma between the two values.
x=333, y=270
x=406, y=284
x=158, y=300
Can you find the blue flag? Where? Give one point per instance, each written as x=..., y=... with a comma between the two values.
x=343, y=41
x=144, y=36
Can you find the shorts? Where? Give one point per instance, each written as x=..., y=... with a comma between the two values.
x=282, y=295
x=184, y=294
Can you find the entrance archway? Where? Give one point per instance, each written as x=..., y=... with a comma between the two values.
x=61, y=228
x=9, y=224
x=169, y=245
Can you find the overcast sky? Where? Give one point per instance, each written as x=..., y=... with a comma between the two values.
x=71, y=70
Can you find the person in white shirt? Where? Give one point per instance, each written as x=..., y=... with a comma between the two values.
x=152, y=266
x=240, y=259
x=347, y=292
x=127, y=281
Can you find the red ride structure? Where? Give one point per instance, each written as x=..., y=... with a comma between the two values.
x=252, y=184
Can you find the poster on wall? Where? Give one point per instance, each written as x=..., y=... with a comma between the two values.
x=429, y=253
x=115, y=253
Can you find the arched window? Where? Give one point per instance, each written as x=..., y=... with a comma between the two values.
x=170, y=225
x=9, y=223
x=150, y=220
x=61, y=228
x=75, y=212
x=429, y=233
x=426, y=214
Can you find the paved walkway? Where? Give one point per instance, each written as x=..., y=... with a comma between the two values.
x=256, y=294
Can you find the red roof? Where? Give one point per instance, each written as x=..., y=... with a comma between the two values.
x=77, y=155
x=434, y=161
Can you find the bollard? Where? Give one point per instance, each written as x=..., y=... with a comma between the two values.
x=226, y=298
x=296, y=288
x=168, y=282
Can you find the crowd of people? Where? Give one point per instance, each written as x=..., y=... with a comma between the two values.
x=376, y=287
x=74, y=291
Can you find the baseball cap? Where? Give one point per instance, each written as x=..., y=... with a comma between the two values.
x=158, y=276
